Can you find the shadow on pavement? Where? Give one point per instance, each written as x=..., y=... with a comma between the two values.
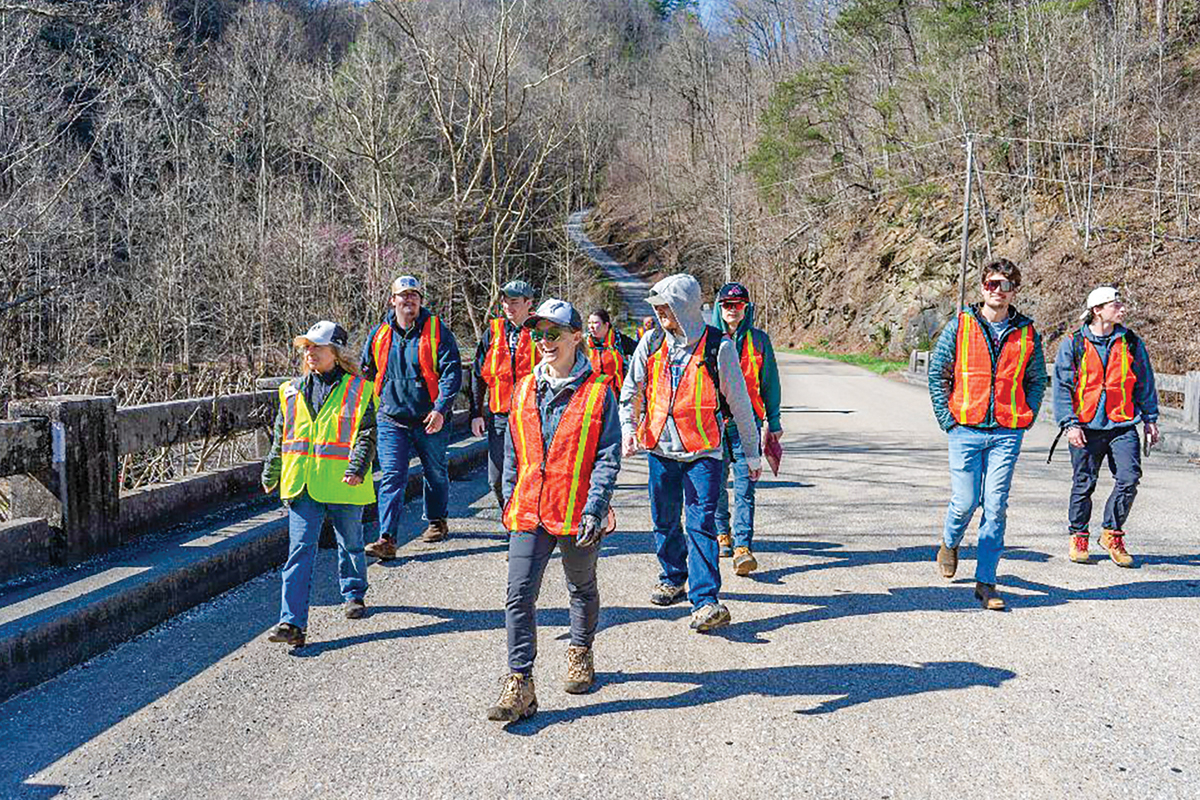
x=848, y=685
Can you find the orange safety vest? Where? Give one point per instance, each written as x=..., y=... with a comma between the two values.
x=977, y=380
x=1116, y=380
x=427, y=355
x=552, y=484
x=693, y=403
x=501, y=372
x=752, y=363
x=607, y=358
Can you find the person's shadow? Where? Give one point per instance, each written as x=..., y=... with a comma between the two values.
x=842, y=686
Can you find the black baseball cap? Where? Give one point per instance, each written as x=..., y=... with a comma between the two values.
x=733, y=291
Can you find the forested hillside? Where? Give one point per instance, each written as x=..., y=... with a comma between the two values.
x=185, y=184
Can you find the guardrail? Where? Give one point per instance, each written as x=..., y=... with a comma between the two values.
x=64, y=454
x=1187, y=385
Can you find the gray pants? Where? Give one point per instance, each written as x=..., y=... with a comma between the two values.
x=497, y=429
x=528, y=554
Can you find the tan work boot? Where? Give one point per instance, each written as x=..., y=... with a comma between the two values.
x=517, y=700
x=581, y=672
x=987, y=596
x=436, y=532
x=724, y=545
x=744, y=561
x=1079, y=548
x=384, y=549
x=1114, y=543
x=947, y=560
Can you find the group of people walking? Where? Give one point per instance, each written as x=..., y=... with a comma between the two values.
x=562, y=402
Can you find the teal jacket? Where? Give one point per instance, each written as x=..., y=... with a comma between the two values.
x=769, y=377
x=941, y=367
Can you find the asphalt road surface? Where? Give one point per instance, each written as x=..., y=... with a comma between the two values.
x=851, y=669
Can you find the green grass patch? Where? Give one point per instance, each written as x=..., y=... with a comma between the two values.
x=878, y=365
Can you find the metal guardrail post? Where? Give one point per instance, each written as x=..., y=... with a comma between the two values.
x=78, y=495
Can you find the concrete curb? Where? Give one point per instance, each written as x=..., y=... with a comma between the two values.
x=43, y=644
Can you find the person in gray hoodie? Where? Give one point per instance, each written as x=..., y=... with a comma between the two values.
x=562, y=456
x=688, y=380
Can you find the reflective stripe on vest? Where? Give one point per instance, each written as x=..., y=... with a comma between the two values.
x=977, y=381
x=316, y=451
x=501, y=372
x=607, y=358
x=1116, y=379
x=553, y=482
x=752, y=362
x=692, y=404
x=427, y=355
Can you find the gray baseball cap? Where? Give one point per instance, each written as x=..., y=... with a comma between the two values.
x=517, y=289
x=560, y=312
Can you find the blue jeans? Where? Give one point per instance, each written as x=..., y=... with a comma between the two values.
x=305, y=518
x=686, y=487
x=743, y=491
x=982, y=462
x=396, y=446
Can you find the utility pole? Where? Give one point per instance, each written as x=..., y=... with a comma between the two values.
x=728, y=222
x=966, y=222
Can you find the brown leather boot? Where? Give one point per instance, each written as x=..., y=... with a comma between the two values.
x=1114, y=543
x=724, y=545
x=581, y=672
x=517, y=700
x=436, y=532
x=384, y=549
x=987, y=596
x=947, y=560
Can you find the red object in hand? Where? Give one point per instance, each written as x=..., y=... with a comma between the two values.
x=773, y=450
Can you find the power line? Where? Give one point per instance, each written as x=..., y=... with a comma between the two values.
x=1064, y=143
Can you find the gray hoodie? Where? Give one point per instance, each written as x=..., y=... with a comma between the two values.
x=682, y=294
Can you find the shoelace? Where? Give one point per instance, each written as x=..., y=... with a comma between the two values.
x=1081, y=543
x=511, y=688
x=1116, y=541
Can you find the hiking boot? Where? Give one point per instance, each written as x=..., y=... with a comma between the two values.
x=987, y=596
x=1114, y=543
x=517, y=700
x=947, y=560
x=705, y=618
x=724, y=545
x=667, y=594
x=1079, y=548
x=383, y=548
x=744, y=561
x=436, y=532
x=287, y=633
x=581, y=673
x=354, y=608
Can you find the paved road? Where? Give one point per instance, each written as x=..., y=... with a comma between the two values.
x=633, y=290
x=851, y=670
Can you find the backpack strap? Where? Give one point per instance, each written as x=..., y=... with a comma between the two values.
x=712, y=347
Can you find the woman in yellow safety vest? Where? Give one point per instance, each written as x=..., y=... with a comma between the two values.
x=561, y=460
x=320, y=461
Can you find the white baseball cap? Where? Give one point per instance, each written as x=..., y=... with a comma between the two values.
x=1099, y=296
x=560, y=312
x=324, y=333
x=406, y=283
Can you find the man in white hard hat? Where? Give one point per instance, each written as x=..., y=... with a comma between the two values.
x=1103, y=387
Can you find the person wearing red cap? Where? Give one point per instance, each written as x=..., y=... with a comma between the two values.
x=1103, y=387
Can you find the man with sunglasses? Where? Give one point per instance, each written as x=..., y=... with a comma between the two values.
x=1103, y=386
x=503, y=357
x=413, y=359
x=734, y=314
x=987, y=378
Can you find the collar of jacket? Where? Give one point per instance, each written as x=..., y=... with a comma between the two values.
x=1015, y=317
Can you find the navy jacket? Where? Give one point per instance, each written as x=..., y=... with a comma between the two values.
x=405, y=398
x=1145, y=396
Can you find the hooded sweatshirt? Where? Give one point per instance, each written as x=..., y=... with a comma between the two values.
x=769, y=376
x=682, y=294
x=553, y=395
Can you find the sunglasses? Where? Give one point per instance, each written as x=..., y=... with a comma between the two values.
x=999, y=286
x=734, y=304
x=551, y=335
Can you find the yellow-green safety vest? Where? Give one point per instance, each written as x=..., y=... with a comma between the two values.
x=317, y=451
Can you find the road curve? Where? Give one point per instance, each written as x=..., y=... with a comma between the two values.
x=633, y=290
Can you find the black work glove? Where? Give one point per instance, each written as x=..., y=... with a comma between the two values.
x=589, y=531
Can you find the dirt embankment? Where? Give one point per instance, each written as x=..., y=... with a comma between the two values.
x=884, y=277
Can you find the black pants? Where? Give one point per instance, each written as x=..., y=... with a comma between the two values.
x=497, y=429
x=528, y=554
x=1122, y=449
